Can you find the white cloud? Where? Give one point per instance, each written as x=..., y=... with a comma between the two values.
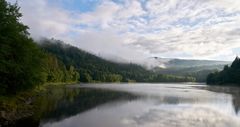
x=102, y=16
x=45, y=20
x=134, y=30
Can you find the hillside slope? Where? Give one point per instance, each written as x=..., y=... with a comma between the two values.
x=95, y=69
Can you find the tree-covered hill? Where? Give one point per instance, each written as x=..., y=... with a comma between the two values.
x=95, y=69
x=229, y=75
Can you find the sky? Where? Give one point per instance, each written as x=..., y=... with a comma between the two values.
x=134, y=30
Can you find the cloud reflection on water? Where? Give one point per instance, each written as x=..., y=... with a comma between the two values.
x=158, y=106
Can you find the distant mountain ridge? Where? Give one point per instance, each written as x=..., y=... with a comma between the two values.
x=186, y=63
x=198, y=69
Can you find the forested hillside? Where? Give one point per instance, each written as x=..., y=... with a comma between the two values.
x=229, y=75
x=95, y=69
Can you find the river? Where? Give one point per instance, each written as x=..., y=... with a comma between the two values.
x=140, y=105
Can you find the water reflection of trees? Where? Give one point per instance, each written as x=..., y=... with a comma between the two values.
x=61, y=103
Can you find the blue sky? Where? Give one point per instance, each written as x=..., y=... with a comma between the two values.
x=81, y=6
x=135, y=30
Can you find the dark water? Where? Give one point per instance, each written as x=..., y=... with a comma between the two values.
x=140, y=105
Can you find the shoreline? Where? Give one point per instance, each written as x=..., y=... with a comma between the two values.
x=21, y=105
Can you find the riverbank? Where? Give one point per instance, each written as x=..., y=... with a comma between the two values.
x=21, y=105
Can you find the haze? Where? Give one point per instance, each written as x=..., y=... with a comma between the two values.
x=134, y=30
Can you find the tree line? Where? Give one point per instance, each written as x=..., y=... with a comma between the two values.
x=229, y=75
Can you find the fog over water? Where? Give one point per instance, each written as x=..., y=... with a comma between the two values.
x=157, y=105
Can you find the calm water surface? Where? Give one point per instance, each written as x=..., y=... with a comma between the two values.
x=140, y=105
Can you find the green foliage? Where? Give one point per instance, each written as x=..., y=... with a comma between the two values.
x=73, y=74
x=23, y=64
x=94, y=69
x=229, y=75
x=113, y=78
x=20, y=58
x=86, y=78
x=57, y=72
